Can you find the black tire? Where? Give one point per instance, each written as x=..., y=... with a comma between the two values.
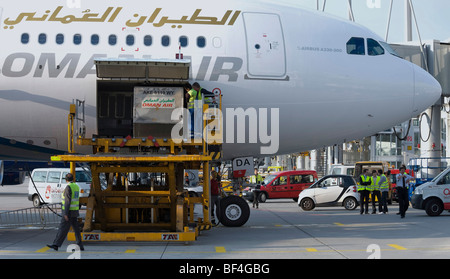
x=263, y=197
x=234, y=211
x=307, y=204
x=350, y=203
x=434, y=207
x=36, y=201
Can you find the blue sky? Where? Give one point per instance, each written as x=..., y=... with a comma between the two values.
x=433, y=17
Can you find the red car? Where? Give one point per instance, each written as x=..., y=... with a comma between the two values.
x=283, y=185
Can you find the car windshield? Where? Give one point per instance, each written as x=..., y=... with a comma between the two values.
x=81, y=176
x=269, y=178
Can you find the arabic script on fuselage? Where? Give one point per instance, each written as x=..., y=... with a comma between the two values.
x=111, y=13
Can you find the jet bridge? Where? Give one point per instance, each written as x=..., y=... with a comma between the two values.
x=137, y=191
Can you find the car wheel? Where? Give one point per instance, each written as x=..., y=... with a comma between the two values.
x=434, y=207
x=36, y=201
x=234, y=211
x=307, y=204
x=263, y=197
x=350, y=203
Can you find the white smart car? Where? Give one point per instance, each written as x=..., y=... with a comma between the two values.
x=330, y=190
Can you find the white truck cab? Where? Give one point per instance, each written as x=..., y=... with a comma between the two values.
x=433, y=196
x=50, y=184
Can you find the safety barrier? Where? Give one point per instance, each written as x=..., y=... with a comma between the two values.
x=46, y=215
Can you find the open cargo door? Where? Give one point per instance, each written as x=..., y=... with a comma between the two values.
x=136, y=97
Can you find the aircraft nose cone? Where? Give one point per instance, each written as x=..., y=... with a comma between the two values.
x=427, y=90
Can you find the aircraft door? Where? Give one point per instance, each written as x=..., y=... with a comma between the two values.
x=266, y=54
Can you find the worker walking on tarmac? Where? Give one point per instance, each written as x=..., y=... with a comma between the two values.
x=215, y=192
x=256, y=179
x=384, y=188
x=376, y=194
x=364, y=191
x=402, y=180
x=70, y=212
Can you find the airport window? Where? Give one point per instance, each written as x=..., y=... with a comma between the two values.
x=25, y=38
x=356, y=46
x=112, y=40
x=374, y=48
x=130, y=40
x=201, y=42
x=165, y=40
x=77, y=39
x=95, y=39
x=148, y=40
x=40, y=176
x=59, y=39
x=183, y=41
x=42, y=38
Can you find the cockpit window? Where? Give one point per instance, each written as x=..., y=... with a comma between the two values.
x=389, y=49
x=356, y=46
x=374, y=48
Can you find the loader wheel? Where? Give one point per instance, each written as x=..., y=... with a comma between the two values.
x=234, y=211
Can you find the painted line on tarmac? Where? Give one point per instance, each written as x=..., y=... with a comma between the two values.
x=397, y=247
x=43, y=250
x=220, y=249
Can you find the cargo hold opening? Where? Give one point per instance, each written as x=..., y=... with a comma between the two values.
x=136, y=97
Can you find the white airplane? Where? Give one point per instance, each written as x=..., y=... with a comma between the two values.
x=331, y=80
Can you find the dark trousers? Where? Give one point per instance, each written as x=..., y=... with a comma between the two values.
x=376, y=194
x=191, y=128
x=256, y=194
x=64, y=227
x=384, y=197
x=364, y=200
x=403, y=200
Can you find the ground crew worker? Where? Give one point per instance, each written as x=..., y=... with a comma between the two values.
x=205, y=94
x=256, y=179
x=375, y=188
x=70, y=212
x=363, y=190
x=402, y=180
x=215, y=192
x=384, y=188
x=191, y=95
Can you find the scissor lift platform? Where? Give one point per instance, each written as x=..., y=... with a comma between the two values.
x=163, y=212
x=137, y=191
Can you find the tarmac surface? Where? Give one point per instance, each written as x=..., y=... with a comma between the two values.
x=279, y=229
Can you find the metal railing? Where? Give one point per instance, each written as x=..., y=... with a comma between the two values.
x=45, y=216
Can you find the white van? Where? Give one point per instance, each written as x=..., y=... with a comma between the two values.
x=341, y=169
x=433, y=196
x=51, y=182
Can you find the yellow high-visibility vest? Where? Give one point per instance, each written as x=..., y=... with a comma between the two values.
x=194, y=95
x=374, y=186
x=364, y=187
x=385, y=184
x=74, y=201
